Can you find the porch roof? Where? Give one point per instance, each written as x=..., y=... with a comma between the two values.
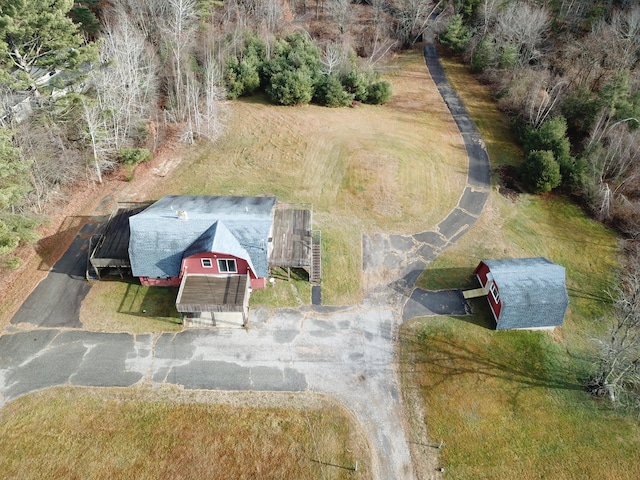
x=206, y=293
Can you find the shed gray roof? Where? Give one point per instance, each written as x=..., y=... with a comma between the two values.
x=239, y=226
x=532, y=291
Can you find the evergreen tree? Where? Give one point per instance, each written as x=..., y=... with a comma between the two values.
x=39, y=34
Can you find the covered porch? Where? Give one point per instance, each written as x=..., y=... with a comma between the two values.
x=209, y=301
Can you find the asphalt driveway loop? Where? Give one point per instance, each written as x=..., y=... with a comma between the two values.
x=424, y=303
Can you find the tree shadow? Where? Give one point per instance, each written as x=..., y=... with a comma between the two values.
x=70, y=242
x=524, y=361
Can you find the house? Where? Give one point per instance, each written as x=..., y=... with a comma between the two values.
x=216, y=249
x=524, y=293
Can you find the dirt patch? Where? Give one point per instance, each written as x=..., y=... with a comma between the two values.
x=508, y=182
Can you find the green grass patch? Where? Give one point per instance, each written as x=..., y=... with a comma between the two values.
x=150, y=434
x=127, y=306
x=287, y=290
x=494, y=126
x=511, y=404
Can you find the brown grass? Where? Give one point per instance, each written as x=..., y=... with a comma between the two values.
x=171, y=434
x=395, y=168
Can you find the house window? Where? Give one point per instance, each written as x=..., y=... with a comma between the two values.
x=494, y=292
x=227, y=265
x=206, y=263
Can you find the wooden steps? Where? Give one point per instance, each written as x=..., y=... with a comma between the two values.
x=315, y=276
x=475, y=293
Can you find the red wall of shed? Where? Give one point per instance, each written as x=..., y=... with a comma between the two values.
x=481, y=272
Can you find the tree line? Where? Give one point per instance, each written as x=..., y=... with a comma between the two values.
x=566, y=71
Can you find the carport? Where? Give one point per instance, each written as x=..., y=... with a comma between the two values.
x=110, y=250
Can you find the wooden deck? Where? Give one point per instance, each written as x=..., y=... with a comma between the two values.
x=292, y=240
x=205, y=293
x=111, y=248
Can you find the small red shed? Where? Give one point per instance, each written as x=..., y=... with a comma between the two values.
x=524, y=293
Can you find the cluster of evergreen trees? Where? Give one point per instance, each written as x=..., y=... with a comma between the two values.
x=294, y=75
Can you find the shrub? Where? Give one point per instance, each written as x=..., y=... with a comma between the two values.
x=134, y=156
x=541, y=172
x=8, y=239
x=12, y=263
x=291, y=87
x=484, y=56
x=456, y=35
x=243, y=75
x=294, y=71
x=379, y=93
x=357, y=84
x=552, y=136
x=330, y=93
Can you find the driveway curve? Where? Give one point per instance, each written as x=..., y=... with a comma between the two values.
x=346, y=352
x=393, y=263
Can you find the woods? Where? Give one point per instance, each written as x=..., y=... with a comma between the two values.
x=571, y=63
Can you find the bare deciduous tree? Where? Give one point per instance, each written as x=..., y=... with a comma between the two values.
x=55, y=161
x=413, y=17
x=179, y=27
x=339, y=12
x=618, y=370
x=523, y=26
x=613, y=155
x=205, y=107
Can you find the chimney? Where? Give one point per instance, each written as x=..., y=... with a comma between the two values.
x=182, y=215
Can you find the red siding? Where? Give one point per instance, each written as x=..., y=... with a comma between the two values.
x=481, y=271
x=194, y=266
x=160, y=282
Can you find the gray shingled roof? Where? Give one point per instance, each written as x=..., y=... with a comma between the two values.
x=532, y=291
x=159, y=240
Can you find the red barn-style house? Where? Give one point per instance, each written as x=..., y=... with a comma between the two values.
x=215, y=249
x=524, y=293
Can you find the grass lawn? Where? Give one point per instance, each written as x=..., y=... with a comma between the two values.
x=139, y=433
x=510, y=404
x=127, y=306
x=399, y=167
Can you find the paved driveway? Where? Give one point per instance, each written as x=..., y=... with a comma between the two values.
x=56, y=300
x=348, y=354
